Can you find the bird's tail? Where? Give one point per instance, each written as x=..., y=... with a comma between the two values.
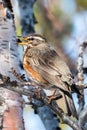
x=71, y=110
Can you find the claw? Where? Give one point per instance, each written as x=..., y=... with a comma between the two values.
x=54, y=96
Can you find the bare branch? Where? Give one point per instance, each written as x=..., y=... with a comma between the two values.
x=80, y=77
x=66, y=119
x=83, y=117
x=33, y=93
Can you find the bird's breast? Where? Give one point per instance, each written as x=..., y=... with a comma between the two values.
x=32, y=74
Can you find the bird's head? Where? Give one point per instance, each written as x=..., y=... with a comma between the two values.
x=32, y=40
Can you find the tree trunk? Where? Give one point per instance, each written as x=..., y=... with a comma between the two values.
x=10, y=102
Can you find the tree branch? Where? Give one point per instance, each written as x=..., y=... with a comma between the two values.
x=32, y=92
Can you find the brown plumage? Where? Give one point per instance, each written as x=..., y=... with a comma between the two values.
x=46, y=68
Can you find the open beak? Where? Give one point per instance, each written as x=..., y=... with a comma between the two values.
x=22, y=41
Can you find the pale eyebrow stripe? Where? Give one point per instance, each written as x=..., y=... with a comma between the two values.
x=38, y=38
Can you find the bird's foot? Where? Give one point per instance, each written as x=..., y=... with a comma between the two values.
x=54, y=96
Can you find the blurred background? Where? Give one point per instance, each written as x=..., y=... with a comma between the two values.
x=64, y=24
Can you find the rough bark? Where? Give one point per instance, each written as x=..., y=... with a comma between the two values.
x=11, y=105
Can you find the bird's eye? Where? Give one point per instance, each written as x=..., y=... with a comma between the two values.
x=30, y=38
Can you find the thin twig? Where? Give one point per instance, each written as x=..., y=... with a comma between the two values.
x=80, y=78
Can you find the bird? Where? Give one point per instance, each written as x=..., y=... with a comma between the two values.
x=45, y=67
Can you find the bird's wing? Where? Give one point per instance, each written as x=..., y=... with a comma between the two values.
x=51, y=68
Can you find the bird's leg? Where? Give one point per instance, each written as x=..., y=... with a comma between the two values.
x=39, y=92
x=54, y=96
